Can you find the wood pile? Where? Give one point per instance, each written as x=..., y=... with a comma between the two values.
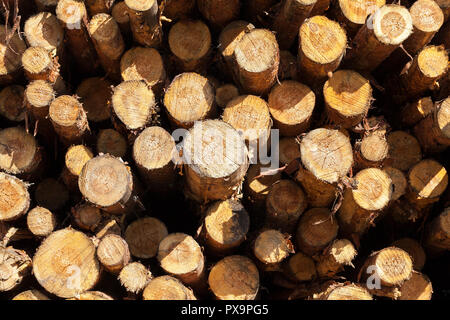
x=135, y=134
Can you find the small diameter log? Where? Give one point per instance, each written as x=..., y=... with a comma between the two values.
x=339, y=254
x=44, y=30
x=12, y=103
x=153, y=152
x=418, y=287
x=427, y=181
x=181, y=256
x=291, y=105
x=342, y=291
x=145, y=22
x=62, y=255
x=383, y=32
x=362, y=205
x=289, y=150
x=51, y=194
x=300, y=267
x=225, y=94
x=214, y=175
x=288, y=66
x=14, y=266
x=219, y=12
x=257, y=186
x=288, y=20
x=73, y=16
x=225, y=226
x=256, y=61
x=352, y=14
x=234, y=278
x=108, y=42
x=445, y=7
x=271, y=247
x=113, y=253
x=167, y=288
x=399, y=182
x=144, y=64
x=428, y=66
x=92, y=295
x=120, y=13
x=144, y=236
x=372, y=150
x=433, y=132
x=107, y=182
x=133, y=104
x=87, y=216
x=348, y=96
x=10, y=55
x=14, y=197
x=385, y=271
x=39, y=94
x=189, y=98
x=437, y=235
x=30, y=295
x=46, y=5
x=250, y=116
x=416, y=111
x=134, y=277
x=179, y=9
x=99, y=6
x=190, y=44
x=112, y=142
x=20, y=154
x=316, y=229
x=327, y=157
x=41, y=221
x=414, y=249
x=95, y=94
x=69, y=119
x=75, y=159
x=285, y=203
x=321, y=48
x=403, y=150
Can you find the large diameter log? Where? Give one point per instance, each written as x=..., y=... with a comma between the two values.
x=44, y=30
x=69, y=119
x=225, y=226
x=73, y=16
x=219, y=12
x=256, y=61
x=14, y=197
x=414, y=249
x=144, y=236
x=153, y=152
x=20, y=153
x=291, y=105
x=285, y=204
x=348, y=96
x=316, y=229
x=403, y=150
x=339, y=254
x=113, y=253
x=214, y=175
x=12, y=103
x=11, y=56
x=437, y=235
x=234, y=278
x=352, y=14
x=144, y=64
x=362, y=205
x=41, y=221
x=289, y=18
x=433, y=132
x=75, y=159
x=65, y=264
x=14, y=266
x=384, y=31
x=145, y=22
x=108, y=42
x=320, y=49
x=190, y=44
x=167, y=288
x=189, y=98
x=108, y=183
x=134, y=277
x=327, y=157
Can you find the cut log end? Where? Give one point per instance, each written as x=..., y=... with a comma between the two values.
x=404, y=150
x=95, y=94
x=414, y=249
x=272, y=247
x=10, y=54
x=167, y=288
x=76, y=158
x=36, y=60
x=113, y=253
x=86, y=216
x=41, y=221
x=14, y=197
x=399, y=183
x=418, y=287
x=144, y=236
x=71, y=13
x=226, y=93
x=428, y=179
x=11, y=103
x=234, y=278
x=392, y=24
x=44, y=30
x=426, y=16
x=231, y=35
x=140, y=5
x=111, y=142
x=374, y=189
x=374, y=149
x=134, y=277
x=289, y=150
x=301, y=267
x=14, y=266
x=40, y=94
